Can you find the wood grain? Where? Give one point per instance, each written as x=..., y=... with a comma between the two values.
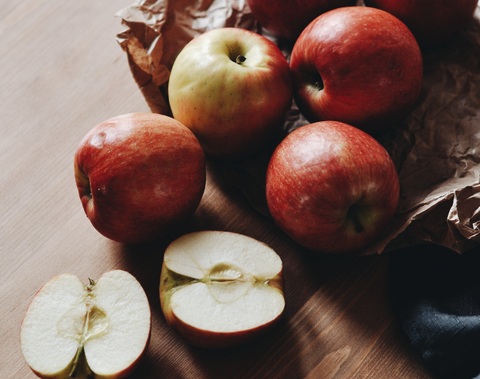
x=61, y=73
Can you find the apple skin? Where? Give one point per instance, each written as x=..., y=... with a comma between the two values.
x=139, y=176
x=206, y=338
x=357, y=65
x=337, y=192
x=432, y=22
x=288, y=18
x=234, y=109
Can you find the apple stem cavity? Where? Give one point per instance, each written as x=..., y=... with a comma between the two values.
x=240, y=59
x=83, y=183
x=316, y=81
x=352, y=214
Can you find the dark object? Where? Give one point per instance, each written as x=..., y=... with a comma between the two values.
x=435, y=293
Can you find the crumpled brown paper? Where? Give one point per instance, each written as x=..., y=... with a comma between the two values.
x=436, y=148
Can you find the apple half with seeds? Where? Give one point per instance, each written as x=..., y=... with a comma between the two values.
x=72, y=330
x=221, y=289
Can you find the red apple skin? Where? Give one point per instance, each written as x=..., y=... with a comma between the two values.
x=357, y=65
x=432, y=22
x=288, y=18
x=139, y=176
x=315, y=176
x=215, y=340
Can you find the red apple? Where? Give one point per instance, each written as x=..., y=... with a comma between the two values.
x=221, y=289
x=288, y=18
x=331, y=187
x=139, y=176
x=232, y=88
x=432, y=22
x=357, y=65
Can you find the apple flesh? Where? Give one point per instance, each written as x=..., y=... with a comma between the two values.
x=432, y=22
x=232, y=88
x=357, y=65
x=288, y=18
x=337, y=192
x=221, y=289
x=75, y=330
x=139, y=176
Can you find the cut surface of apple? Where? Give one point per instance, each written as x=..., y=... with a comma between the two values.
x=71, y=329
x=221, y=289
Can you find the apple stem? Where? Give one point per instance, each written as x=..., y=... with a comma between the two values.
x=240, y=59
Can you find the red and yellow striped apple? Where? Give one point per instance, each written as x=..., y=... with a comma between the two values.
x=331, y=187
x=357, y=65
x=139, y=176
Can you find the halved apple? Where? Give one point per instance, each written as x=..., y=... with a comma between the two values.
x=75, y=330
x=221, y=289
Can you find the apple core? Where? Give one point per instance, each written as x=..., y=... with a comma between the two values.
x=225, y=281
x=82, y=322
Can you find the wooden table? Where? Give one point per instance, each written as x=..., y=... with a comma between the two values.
x=61, y=73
